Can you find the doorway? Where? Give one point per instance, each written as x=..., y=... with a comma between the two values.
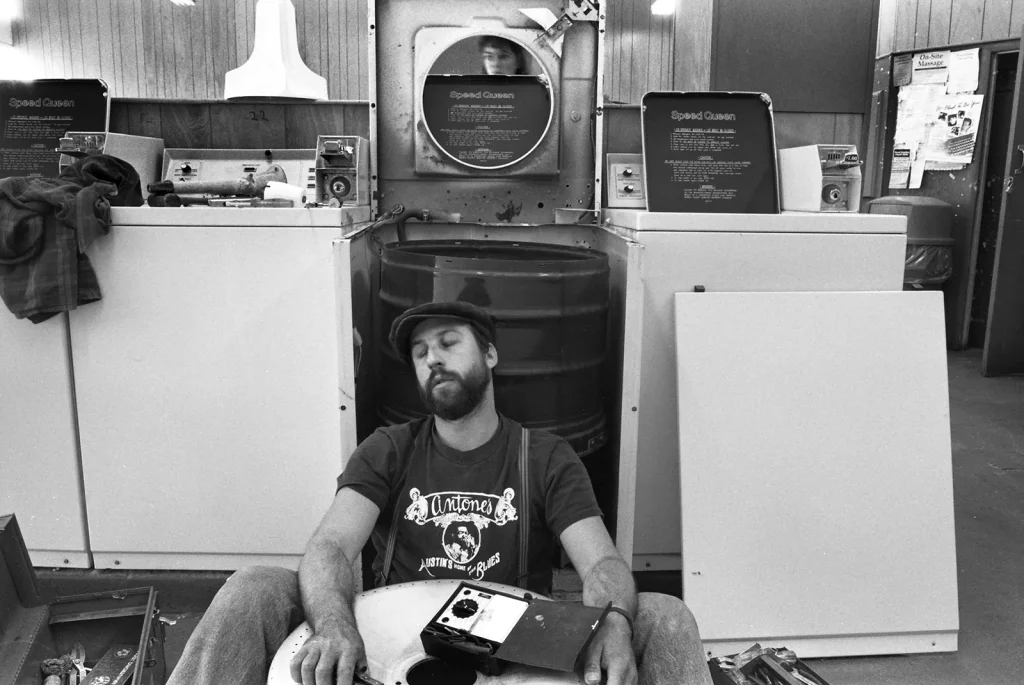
x=1004, y=77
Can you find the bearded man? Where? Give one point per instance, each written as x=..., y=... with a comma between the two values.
x=460, y=462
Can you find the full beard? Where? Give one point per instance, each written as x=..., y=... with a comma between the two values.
x=457, y=398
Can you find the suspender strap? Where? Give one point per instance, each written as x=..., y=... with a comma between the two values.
x=524, y=508
x=391, y=537
x=389, y=553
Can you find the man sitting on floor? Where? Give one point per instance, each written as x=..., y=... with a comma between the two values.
x=529, y=485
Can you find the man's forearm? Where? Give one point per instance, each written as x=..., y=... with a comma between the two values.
x=328, y=588
x=610, y=580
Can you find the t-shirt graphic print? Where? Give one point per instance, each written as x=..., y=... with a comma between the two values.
x=457, y=523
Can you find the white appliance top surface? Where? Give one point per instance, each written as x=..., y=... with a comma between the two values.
x=786, y=222
x=238, y=216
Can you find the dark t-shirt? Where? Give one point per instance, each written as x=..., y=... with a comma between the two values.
x=459, y=512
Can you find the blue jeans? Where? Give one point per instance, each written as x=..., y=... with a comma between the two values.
x=260, y=606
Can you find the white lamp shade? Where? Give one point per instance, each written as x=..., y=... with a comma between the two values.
x=275, y=68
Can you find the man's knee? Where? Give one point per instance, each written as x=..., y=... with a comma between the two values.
x=667, y=614
x=259, y=585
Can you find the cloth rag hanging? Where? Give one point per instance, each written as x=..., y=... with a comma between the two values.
x=46, y=225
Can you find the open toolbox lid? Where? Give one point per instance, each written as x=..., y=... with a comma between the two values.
x=123, y=622
x=468, y=147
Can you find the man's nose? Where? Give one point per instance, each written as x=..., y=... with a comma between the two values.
x=433, y=358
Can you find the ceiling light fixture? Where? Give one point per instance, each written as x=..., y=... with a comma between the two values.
x=663, y=7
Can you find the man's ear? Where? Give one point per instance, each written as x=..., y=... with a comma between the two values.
x=492, y=356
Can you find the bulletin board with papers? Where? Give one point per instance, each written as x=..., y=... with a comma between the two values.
x=938, y=113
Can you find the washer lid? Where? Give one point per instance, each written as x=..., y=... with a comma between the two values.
x=786, y=222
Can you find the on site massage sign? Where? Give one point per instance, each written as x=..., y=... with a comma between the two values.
x=35, y=115
x=710, y=152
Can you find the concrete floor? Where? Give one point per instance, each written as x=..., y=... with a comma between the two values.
x=987, y=427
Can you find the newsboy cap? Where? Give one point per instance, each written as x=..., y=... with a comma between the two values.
x=403, y=325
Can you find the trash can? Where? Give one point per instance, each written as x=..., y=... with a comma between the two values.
x=929, y=258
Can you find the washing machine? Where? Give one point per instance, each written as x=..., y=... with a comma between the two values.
x=215, y=380
x=792, y=432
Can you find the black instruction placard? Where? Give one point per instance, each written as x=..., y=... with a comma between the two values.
x=35, y=115
x=487, y=122
x=710, y=152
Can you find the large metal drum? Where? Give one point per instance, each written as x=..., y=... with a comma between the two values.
x=550, y=305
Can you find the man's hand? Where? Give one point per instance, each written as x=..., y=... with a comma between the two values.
x=611, y=650
x=329, y=657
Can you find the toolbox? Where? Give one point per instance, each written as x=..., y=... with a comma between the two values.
x=116, y=629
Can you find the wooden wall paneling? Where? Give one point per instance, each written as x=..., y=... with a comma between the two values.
x=639, y=51
x=662, y=61
x=139, y=32
x=939, y=23
x=122, y=20
x=886, y=38
x=303, y=123
x=220, y=22
x=965, y=21
x=105, y=41
x=34, y=13
x=92, y=50
x=245, y=27
x=641, y=37
x=793, y=129
x=185, y=125
x=120, y=122
x=191, y=55
x=357, y=36
x=163, y=40
x=153, y=74
x=326, y=10
x=996, y=20
x=924, y=9
x=247, y=125
x=50, y=42
x=315, y=40
x=1016, y=19
x=306, y=15
x=906, y=24
x=692, y=34
x=337, y=54
x=204, y=43
x=622, y=129
x=27, y=34
x=144, y=119
x=613, y=42
x=66, y=41
x=357, y=119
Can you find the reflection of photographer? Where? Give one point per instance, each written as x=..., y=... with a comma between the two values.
x=501, y=57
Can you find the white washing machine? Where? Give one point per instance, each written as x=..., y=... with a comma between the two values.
x=793, y=455
x=729, y=253
x=215, y=396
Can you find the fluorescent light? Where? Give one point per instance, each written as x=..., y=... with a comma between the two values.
x=9, y=10
x=15, y=65
x=663, y=7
